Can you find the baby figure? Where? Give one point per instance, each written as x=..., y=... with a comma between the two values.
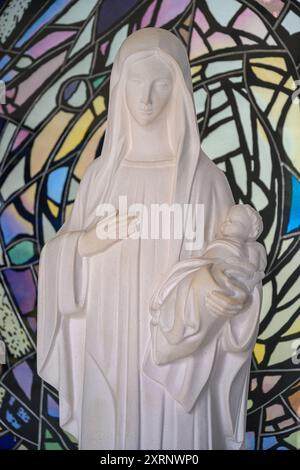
x=238, y=234
x=178, y=307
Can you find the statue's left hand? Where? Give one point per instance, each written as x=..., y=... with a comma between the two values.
x=233, y=296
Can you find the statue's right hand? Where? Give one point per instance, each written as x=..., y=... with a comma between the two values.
x=105, y=233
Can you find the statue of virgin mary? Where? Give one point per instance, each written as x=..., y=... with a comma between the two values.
x=95, y=336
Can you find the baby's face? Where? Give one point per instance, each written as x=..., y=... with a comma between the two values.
x=236, y=225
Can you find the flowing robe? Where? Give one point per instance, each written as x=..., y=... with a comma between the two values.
x=94, y=335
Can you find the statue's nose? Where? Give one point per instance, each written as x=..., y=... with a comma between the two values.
x=146, y=95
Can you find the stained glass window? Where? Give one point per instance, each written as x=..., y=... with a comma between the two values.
x=55, y=61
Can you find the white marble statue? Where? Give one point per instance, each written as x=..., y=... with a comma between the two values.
x=147, y=341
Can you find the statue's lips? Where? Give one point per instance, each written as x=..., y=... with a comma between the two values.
x=146, y=111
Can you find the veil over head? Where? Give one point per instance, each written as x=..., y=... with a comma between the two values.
x=182, y=125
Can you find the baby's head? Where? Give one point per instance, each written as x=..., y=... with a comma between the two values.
x=242, y=222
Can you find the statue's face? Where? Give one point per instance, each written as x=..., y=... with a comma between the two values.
x=148, y=89
x=237, y=224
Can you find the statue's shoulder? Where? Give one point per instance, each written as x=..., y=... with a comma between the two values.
x=94, y=166
x=208, y=170
x=92, y=171
x=211, y=182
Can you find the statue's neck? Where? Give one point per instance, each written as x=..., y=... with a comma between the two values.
x=150, y=142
